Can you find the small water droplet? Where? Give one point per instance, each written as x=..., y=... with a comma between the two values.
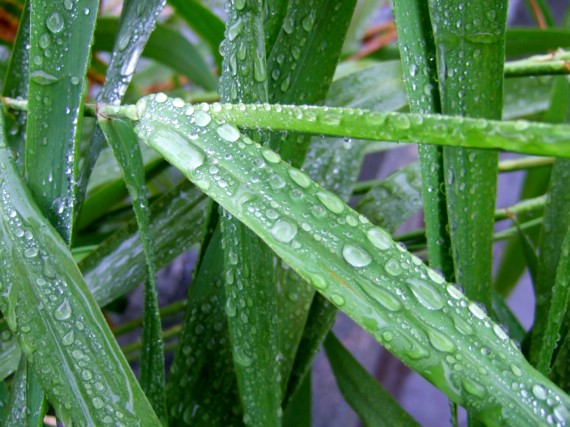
x=356, y=256
x=86, y=374
x=284, y=231
x=43, y=78
x=393, y=267
x=401, y=121
x=68, y=338
x=516, y=370
x=228, y=132
x=242, y=358
x=276, y=182
x=539, y=391
x=161, y=97
x=477, y=311
x=337, y=300
x=31, y=252
x=435, y=276
x=319, y=282
x=55, y=23
x=68, y=4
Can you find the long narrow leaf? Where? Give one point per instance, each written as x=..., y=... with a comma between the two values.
x=27, y=405
x=58, y=324
x=125, y=145
x=358, y=267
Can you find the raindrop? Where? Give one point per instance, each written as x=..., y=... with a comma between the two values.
x=86, y=374
x=276, y=182
x=177, y=146
x=300, y=178
x=440, y=341
x=31, y=252
x=561, y=414
x=43, y=78
x=68, y=4
x=500, y=332
x=476, y=310
x=68, y=338
x=356, y=256
x=45, y=41
x=178, y=103
x=284, y=231
x=473, y=387
x=239, y=4
x=228, y=132
x=401, y=122
x=271, y=156
x=55, y=23
x=385, y=298
x=124, y=41
x=539, y=391
x=75, y=80
x=160, y=97
x=393, y=267
x=379, y=238
x=435, y=276
x=63, y=312
x=242, y=358
x=331, y=202
x=516, y=370
x=426, y=294
x=319, y=282
x=338, y=300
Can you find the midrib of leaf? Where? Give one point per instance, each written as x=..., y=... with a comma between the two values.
x=248, y=262
x=362, y=274
x=470, y=68
x=60, y=45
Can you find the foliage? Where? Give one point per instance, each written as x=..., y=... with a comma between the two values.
x=95, y=197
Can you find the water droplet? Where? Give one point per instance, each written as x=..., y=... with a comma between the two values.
x=435, y=276
x=539, y=391
x=401, y=121
x=43, y=78
x=284, y=231
x=68, y=4
x=440, y=341
x=177, y=147
x=338, y=300
x=242, y=358
x=202, y=119
x=473, y=387
x=86, y=374
x=516, y=370
x=270, y=156
x=356, y=256
x=426, y=294
x=454, y=292
x=161, y=97
x=393, y=267
x=97, y=402
x=75, y=80
x=300, y=178
x=63, y=312
x=259, y=67
x=31, y=252
x=500, y=332
x=239, y=4
x=379, y=238
x=55, y=23
x=331, y=202
x=228, y=132
x=276, y=182
x=319, y=282
x=45, y=41
x=385, y=298
x=178, y=103
x=68, y=338
x=477, y=311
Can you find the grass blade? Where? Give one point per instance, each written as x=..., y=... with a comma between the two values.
x=538, y=138
x=27, y=405
x=125, y=145
x=362, y=273
x=274, y=13
x=67, y=341
x=374, y=405
x=10, y=352
x=298, y=413
x=531, y=41
x=471, y=176
x=15, y=85
x=60, y=44
x=202, y=378
x=248, y=262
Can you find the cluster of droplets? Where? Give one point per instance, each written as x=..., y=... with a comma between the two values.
x=426, y=321
x=51, y=302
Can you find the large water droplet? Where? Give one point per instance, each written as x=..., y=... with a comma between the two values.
x=426, y=294
x=242, y=358
x=270, y=156
x=202, y=119
x=284, y=231
x=300, y=178
x=473, y=387
x=379, y=238
x=55, y=22
x=440, y=341
x=63, y=312
x=385, y=298
x=68, y=338
x=338, y=300
x=539, y=391
x=228, y=132
x=393, y=267
x=319, y=282
x=356, y=256
x=175, y=146
x=561, y=414
x=31, y=252
x=331, y=202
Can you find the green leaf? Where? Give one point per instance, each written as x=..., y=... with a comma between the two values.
x=374, y=405
x=529, y=41
x=58, y=324
x=206, y=24
x=15, y=85
x=202, y=378
x=298, y=413
x=27, y=405
x=471, y=175
x=59, y=52
x=9, y=351
x=248, y=262
x=357, y=266
x=125, y=145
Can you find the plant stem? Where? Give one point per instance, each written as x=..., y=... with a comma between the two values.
x=168, y=310
x=540, y=65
